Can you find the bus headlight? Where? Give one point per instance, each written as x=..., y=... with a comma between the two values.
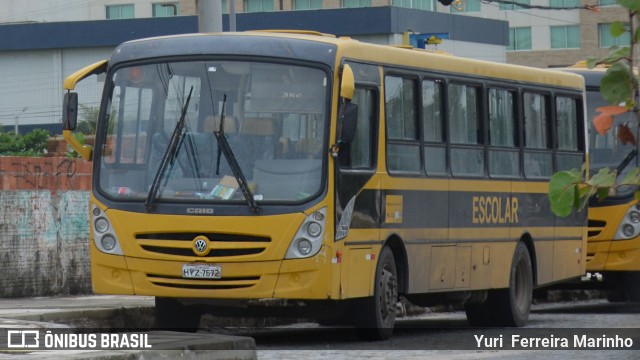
x=101, y=225
x=314, y=229
x=627, y=230
x=308, y=240
x=304, y=247
x=630, y=224
x=108, y=242
x=103, y=236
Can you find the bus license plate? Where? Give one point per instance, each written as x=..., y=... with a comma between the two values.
x=201, y=271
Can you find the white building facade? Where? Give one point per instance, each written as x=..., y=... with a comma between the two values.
x=26, y=11
x=43, y=41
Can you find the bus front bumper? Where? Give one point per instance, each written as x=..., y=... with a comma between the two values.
x=285, y=279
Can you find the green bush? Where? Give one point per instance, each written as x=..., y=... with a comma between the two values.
x=33, y=143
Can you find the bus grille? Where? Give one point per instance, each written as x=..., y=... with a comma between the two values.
x=595, y=227
x=203, y=284
x=180, y=244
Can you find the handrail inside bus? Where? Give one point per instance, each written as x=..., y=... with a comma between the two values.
x=93, y=69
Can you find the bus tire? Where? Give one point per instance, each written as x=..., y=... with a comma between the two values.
x=374, y=317
x=627, y=289
x=172, y=315
x=632, y=286
x=511, y=306
x=616, y=295
x=478, y=314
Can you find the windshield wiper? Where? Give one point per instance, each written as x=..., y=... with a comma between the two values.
x=223, y=146
x=192, y=156
x=169, y=157
x=627, y=159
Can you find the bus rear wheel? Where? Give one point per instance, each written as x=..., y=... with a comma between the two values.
x=478, y=314
x=510, y=306
x=374, y=317
x=172, y=315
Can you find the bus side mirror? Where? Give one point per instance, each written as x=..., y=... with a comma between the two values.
x=70, y=111
x=349, y=122
x=347, y=83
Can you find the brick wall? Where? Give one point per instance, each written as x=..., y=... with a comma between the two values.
x=46, y=173
x=44, y=226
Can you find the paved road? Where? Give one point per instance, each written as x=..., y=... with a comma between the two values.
x=416, y=337
x=434, y=335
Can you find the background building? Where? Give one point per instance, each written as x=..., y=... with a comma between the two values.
x=43, y=41
x=537, y=37
x=552, y=38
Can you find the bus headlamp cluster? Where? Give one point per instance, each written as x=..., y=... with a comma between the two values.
x=630, y=224
x=103, y=236
x=308, y=240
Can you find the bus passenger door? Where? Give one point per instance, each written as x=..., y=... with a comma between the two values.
x=357, y=204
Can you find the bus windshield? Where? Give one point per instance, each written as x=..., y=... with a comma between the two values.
x=159, y=141
x=617, y=149
x=609, y=150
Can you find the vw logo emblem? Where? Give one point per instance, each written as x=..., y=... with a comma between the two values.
x=201, y=246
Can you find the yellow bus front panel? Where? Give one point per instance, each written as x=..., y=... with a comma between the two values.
x=288, y=279
x=605, y=253
x=153, y=261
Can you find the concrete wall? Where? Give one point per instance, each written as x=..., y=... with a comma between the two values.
x=44, y=226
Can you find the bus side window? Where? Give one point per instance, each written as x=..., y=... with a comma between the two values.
x=504, y=152
x=435, y=151
x=359, y=153
x=467, y=154
x=568, y=155
x=401, y=113
x=538, y=156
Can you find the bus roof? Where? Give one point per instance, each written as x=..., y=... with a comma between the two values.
x=315, y=47
x=592, y=77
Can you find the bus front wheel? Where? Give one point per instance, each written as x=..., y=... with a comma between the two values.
x=374, y=317
x=628, y=289
x=172, y=315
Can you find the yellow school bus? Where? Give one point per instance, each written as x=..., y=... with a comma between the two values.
x=327, y=178
x=613, y=252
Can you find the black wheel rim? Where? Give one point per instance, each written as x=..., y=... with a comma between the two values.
x=388, y=295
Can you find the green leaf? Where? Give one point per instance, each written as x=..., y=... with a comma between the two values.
x=603, y=193
x=616, y=86
x=633, y=5
x=563, y=192
x=636, y=36
x=616, y=53
x=632, y=177
x=605, y=178
x=617, y=28
x=585, y=191
x=592, y=62
x=637, y=195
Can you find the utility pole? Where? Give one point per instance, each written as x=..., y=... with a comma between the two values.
x=17, y=117
x=209, y=15
x=232, y=15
